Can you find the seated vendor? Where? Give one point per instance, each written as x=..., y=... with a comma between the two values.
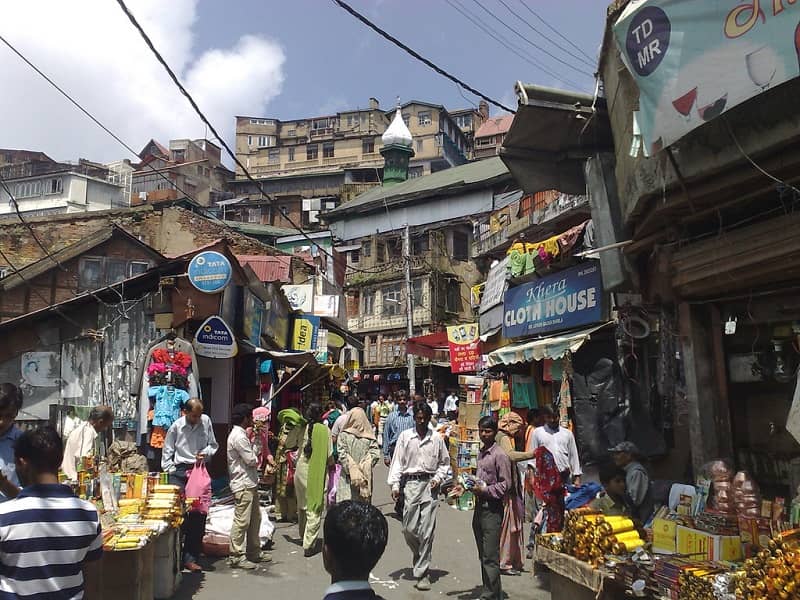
x=638, y=490
x=612, y=500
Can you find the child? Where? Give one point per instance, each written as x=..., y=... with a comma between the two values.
x=612, y=500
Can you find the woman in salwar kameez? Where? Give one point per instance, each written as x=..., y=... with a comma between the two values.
x=289, y=438
x=358, y=453
x=314, y=456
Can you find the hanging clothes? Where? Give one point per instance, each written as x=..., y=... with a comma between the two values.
x=523, y=392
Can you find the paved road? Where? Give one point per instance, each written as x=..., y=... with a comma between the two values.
x=455, y=571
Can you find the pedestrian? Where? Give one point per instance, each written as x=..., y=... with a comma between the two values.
x=397, y=422
x=532, y=504
x=561, y=443
x=352, y=402
x=355, y=539
x=309, y=480
x=50, y=541
x=512, y=535
x=434, y=406
x=243, y=470
x=86, y=440
x=358, y=453
x=384, y=410
x=494, y=484
x=612, y=501
x=637, y=480
x=290, y=437
x=10, y=405
x=420, y=462
x=189, y=441
x=451, y=406
x=331, y=414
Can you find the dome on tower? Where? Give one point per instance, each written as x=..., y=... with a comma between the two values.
x=397, y=133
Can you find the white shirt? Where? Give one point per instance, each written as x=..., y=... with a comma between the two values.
x=434, y=407
x=184, y=442
x=561, y=445
x=80, y=443
x=242, y=460
x=415, y=455
x=451, y=403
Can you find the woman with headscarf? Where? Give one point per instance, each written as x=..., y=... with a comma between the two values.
x=358, y=454
x=289, y=438
x=512, y=531
x=309, y=479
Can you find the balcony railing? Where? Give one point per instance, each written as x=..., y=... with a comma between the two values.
x=539, y=216
x=368, y=323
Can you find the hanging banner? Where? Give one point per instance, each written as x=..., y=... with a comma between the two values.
x=567, y=299
x=210, y=272
x=463, y=341
x=693, y=60
x=304, y=336
x=253, y=317
x=326, y=305
x=215, y=339
x=275, y=322
x=301, y=297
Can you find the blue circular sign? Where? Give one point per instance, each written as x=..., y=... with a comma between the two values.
x=648, y=39
x=210, y=272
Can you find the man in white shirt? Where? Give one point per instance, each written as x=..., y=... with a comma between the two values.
x=189, y=441
x=434, y=406
x=561, y=444
x=451, y=406
x=421, y=461
x=243, y=469
x=85, y=440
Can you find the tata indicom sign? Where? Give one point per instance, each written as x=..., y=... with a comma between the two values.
x=210, y=272
x=215, y=339
x=564, y=300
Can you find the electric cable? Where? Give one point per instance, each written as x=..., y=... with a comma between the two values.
x=554, y=30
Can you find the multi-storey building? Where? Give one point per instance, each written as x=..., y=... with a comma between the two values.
x=191, y=168
x=489, y=137
x=469, y=121
x=310, y=165
x=438, y=210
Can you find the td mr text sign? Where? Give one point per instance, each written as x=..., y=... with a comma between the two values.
x=564, y=300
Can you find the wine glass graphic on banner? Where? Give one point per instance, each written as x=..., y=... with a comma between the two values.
x=761, y=67
x=685, y=103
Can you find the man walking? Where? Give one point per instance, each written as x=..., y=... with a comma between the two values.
x=420, y=462
x=397, y=422
x=48, y=537
x=451, y=406
x=494, y=484
x=189, y=441
x=86, y=440
x=561, y=444
x=243, y=470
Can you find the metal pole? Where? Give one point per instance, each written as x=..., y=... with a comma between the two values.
x=412, y=384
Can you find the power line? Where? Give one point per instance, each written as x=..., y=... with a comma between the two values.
x=549, y=39
x=554, y=30
x=418, y=56
x=514, y=49
x=208, y=124
x=534, y=44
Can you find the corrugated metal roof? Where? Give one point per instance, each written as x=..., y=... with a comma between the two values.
x=269, y=268
x=495, y=126
x=482, y=172
x=260, y=229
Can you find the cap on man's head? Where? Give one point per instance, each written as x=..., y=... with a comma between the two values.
x=628, y=447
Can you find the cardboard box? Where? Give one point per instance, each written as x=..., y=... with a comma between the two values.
x=706, y=546
x=755, y=531
x=664, y=536
x=469, y=415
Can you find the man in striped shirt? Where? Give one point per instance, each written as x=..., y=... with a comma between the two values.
x=47, y=535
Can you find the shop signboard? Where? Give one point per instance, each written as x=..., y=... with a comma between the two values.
x=570, y=298
x=692, y=61
x=326, y=305
x=304, y=335
x=210, y=272
x=215, y=339
x=275, y=319
x=463, y=341
x=253, y=317
x=322, y=346
x=301, y=297
x=495, y=286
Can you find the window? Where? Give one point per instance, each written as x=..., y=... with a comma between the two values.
x=453, y=296
x=4, y=271
x=312, y=152
x=253, y=215
x=395, y=248
x=420, y=245
x=366, y=248
x=393, y=299
x=416, y=292
x=355, y=257
x=420, y=145
x=414, y=172
x=284, y=210
x=90, y=273
x=460, y=245
x=274, y=156
x=424, y=117
x=116, y=270
x=368, y=146
x=266, y=141
x=290, y=158
x=262, y=121
x=249, y=140
x=199, y=170
x=351, y=119
x=407, y=119
x=380, y=252
x=55, y=185
x=95, y=272
x=179, y=155
x=291, y=132
x=369, y=302
x=28, y=189
x=327, y=150
x=136, y=267
x=485, y=141
x=321, y=124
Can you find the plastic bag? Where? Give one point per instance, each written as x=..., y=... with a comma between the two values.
x=198, y=486
x=220, y=521
x=334, y=475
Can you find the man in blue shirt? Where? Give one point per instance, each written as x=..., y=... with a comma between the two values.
x=10, y=404
x=396, y=423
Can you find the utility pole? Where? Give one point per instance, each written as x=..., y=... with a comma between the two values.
x=412, y=384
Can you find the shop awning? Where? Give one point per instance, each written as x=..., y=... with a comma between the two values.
x=550, y=347
x=293, y=359
x=427, y=345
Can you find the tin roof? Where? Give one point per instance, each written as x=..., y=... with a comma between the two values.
x=269, y=268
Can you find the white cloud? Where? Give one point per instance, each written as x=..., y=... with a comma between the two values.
x=92, y=51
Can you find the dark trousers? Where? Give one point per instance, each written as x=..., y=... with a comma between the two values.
x=194, y=523
x=487, y=521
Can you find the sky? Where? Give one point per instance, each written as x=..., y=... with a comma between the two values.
x=280, y=59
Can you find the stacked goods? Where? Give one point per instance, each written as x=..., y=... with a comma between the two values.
x=717, y=523
x=746, y=496
x=588, y=536
x=129, y=538
x=698, y=583
x=164, y=504
x=551, y=541
x=722, y=492
x=129, y=506
x=774, y=572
